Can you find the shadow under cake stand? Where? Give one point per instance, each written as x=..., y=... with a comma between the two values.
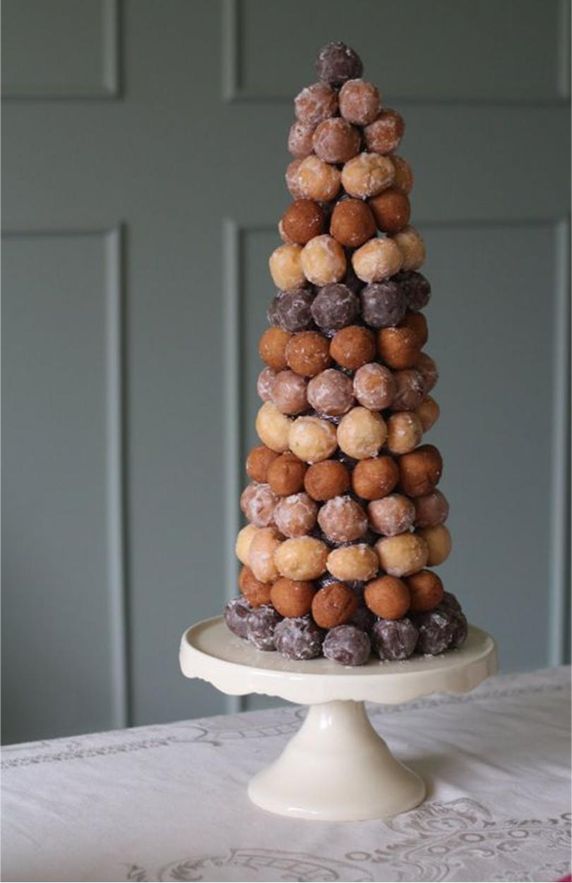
x=336, y=767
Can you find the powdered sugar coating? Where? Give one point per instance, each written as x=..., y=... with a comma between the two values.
x=258, y=502
x=347, y=645
x=342, y=520
x=330, y=393
x=295, y=515
x=298, y=638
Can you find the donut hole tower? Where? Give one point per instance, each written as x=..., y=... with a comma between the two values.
x=345, y=521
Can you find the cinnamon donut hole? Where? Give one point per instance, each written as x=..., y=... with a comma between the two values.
x=403, y=179
x=272, y=348
x=258, y=461
x=439, y=542
x=375, y=478
x=428, y=413
x=391, y=515
x=420, y=471
x=426, y=591
x=315, y=179
x=302, y=220
x=352, y=223
x=335, y=140
x=403, y=554
x=417, y=323
x=256, y=592
x=334, y=605
x=391, y=210
x=387, y=597
x=384, y=134
x=352, y=347
x=355, y=563
x=398, y=347
x=286, y=474
x=292, y=597
x=326, y=480
x=431, y=510
x=285, y=267
x=404, y=432
x=303, y=558
x=308, y=353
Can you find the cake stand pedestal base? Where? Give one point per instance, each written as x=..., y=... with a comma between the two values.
x=336, y=767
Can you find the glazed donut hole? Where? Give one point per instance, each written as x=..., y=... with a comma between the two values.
x=243, y=540
x=326, y=480
x=289, y=392
x=438, y=540
x=291, y=178
x=356, y=563
x=359, y=102
x=403, y=554
x=412, y=248
x=286, y=474
x=428, y=413
x=352, y=223
x=404, y=432
x=334, y=605
x=431, y=510
x=387, y=597
x=337, y=63
x=314, y=179
x=312, y=439
x=409, y=390
x=383, y=304
x=300, y=139
x=302, y=558
x=292, y=597
x=352, y=347
x=316, y=103
x=308, y=353
x=391, y=210
x=361, y=433
x=323, y=260
x=272, y=427
x=336, y=141
x=256, y=592
x=264, y=384
x=398, y=347
x=292, y=310
x=295, y=516
x=375, y=478
x=367, y=174
x=429, y=371
x=342, y=520
x=384, y=133
x=391, y=515
x=426, y=590
x=334, y=307
x=272, y=348
x=377, y=260
x=258, y=461
x=420, y=471
x=286, y=267
x=403, y=179
x=257, y=503
x=374, y=386
x=261, y=552
x=302, y=220
x=331, y=393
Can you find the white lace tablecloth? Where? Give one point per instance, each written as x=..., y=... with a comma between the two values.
x=169, y=802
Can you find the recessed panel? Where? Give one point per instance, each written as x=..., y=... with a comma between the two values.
x=60, y=566
x=430, y=51
x=59, y=48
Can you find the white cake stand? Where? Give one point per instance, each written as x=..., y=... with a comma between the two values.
x=336, y=767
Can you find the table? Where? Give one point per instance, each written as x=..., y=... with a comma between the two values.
x=169, y=802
